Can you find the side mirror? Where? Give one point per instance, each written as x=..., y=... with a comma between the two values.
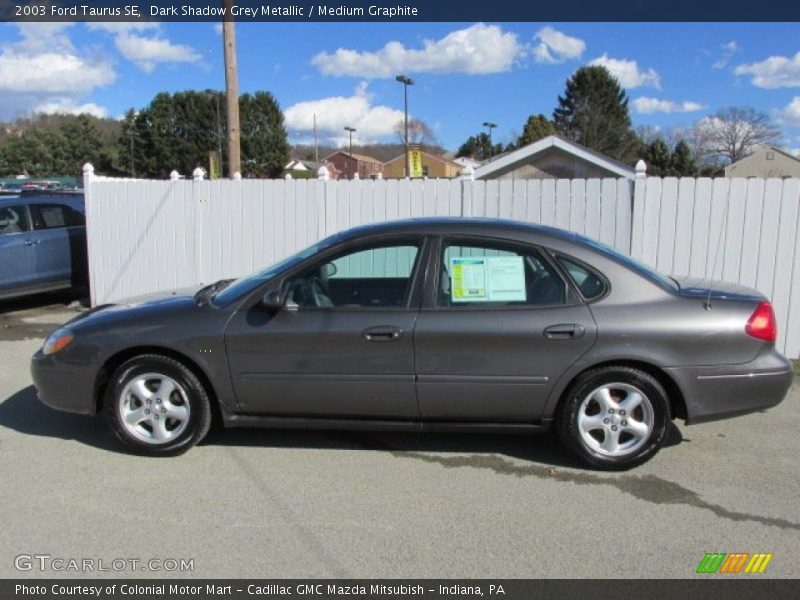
x=274, y=300
x=328, y=270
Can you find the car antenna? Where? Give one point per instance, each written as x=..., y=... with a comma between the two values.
x=722, y=230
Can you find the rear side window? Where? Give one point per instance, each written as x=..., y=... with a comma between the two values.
x=13, y=219
x=589, y=284
x=496, y=274
x=54, y=216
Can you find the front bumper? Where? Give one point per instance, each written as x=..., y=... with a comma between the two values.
x=724, y=391
x=64, y=385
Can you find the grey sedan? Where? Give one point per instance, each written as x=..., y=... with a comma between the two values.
x=432, y=324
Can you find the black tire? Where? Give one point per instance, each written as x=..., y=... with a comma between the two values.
x=191, y=393
x=571, y=410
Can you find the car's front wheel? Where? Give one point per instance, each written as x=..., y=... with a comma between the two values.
x=614, y=417
x=157, y=406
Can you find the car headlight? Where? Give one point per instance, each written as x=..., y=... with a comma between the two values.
x=58, y=340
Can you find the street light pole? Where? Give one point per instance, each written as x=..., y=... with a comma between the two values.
x=406, y=81
x=490, y=126
x=350, y=130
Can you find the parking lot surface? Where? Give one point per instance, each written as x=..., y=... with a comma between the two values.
x=260, y=503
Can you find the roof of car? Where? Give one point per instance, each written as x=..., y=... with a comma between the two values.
x=71, y=199
x=458, y=225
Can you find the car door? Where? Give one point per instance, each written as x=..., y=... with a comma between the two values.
x=342, y=346
x=497, y=330
x=51, y=224
x=17, y=250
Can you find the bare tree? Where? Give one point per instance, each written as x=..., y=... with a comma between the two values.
x=733, y=133
x=419, y=132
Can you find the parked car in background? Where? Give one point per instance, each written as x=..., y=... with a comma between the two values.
x=42, y=244
x=427, y=324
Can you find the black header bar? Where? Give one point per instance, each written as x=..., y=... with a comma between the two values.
x=401, y=10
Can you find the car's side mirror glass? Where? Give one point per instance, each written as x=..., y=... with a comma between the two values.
x=274, y=300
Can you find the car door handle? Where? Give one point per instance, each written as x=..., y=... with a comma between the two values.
x=567, y=331
x=382, y=333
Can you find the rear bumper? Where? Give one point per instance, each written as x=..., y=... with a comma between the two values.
x=64, y=386
x=724, y=391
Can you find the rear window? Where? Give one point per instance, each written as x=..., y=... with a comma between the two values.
x=589, y=284
x=54, y=216
x=630, y=262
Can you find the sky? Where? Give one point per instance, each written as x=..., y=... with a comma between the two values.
x=464, y=73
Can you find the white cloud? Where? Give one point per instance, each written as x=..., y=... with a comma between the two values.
x=42, y=37
x=556, y=47
x=43, y=68
x=122, y=27
x=728, y=50
x=774, y=72
x=646, y=105
x=218, y=28
x=52, y=73
x=790, y=114
x=477, y=50
x=68, y=107
x=333, y=114
x=147, y=52
x=628, y=72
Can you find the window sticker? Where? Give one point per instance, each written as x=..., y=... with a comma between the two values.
x=487, y=279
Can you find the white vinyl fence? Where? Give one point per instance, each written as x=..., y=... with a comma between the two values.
x=146, y=235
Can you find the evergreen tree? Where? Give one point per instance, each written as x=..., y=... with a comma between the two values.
x=536, y=128
x=682, y=162
x=177, y=131
x=479, y=147
x=594, y=112
x=658, y=159
x=265, y=150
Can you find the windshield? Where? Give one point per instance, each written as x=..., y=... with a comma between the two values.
x=243, y=286
x=633, y=264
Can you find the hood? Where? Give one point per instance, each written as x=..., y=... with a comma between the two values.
x=161, y=296
x=698, y=287
x=142, y=304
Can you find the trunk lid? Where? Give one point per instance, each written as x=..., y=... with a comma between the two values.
x=698, y=287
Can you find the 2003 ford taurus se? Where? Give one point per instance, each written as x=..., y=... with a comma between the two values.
x=433, y=324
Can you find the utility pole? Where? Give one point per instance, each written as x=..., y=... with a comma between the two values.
x=231, y=90
x=219, y=133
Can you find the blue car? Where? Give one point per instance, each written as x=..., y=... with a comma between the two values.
x=42, y=244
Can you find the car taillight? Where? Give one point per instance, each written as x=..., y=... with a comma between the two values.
x=762, y=324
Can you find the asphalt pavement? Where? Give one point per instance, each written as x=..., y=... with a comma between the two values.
x=260, y=503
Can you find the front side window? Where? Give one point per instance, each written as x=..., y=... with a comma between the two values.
x=495, y=274
x=13, y=219
x=377, y=276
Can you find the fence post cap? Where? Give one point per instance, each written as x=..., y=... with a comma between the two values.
x=198, y=174
x=379, y=176
x=323, y=173
x=641, y=168
x=288, y=177
x=174, y=175
x=356, y=176
x=237, y=176
x=88, y=168
x=468, y=174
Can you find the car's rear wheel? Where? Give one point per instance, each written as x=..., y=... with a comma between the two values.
x=157, y=406
x=614, y=417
